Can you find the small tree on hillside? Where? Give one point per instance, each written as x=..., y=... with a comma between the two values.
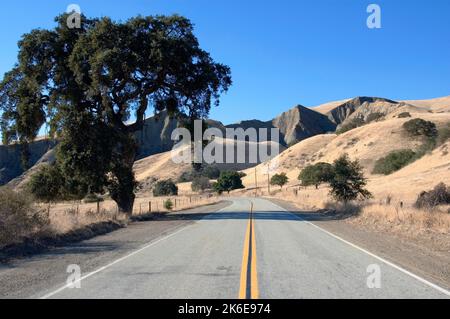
x=348, y=181
x=279, y=179
x=317, y=174
x=228, y=181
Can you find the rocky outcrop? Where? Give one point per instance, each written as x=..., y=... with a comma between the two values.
x=10, y=158
x=362, y=107
x=301, y=123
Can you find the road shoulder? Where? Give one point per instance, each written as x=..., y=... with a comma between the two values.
x=32, y=277
x=421, y=258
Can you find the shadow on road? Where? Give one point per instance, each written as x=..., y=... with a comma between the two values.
x=275, y=215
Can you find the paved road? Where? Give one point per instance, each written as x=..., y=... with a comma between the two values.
x=233, y=253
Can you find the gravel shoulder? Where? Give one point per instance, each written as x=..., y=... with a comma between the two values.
x=426, y=256
x=30, y=277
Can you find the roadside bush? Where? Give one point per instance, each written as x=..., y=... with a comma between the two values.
x=200, y=184
x=168, y=204
x=348, y=182
x=185, y=177
x=419, y=127
x=165, y=188
x=228, y=181
x=209, y=171
x=440, y=195
x=404, y=115
x=19, y=217
x=47, y=184
x=394, y=162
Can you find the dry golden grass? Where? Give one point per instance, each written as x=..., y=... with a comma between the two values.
x=385, y=213
x=68, y=216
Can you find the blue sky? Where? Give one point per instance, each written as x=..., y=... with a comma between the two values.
x=287, y=52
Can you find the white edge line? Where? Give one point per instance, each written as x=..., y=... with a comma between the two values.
x=49, y=295
x=422, y=280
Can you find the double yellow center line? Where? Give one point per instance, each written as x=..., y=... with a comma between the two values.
x=249, y=276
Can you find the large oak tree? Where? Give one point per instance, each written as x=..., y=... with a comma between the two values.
x=93, y=86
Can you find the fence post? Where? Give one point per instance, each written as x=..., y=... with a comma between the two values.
x=149, y=207
x=98, y=206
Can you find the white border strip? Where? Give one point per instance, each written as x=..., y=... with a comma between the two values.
x=422, y=280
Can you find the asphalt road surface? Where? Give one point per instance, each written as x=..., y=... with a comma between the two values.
x=250, y=249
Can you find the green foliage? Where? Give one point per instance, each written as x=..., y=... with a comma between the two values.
x=348, y=182
x=168, y=204
x=350, y=125
x=47, y=184
x=87, y=83
x=374, y=117
x=317, y=174
x=209, y=171
x=200, y=184
x=92, y=198
x=19, y=217
x=228, y=181
x=440, y=195
x=394, y=162
x=165, y=188
x=404, y=115
x=279, y=179
x=421, y=128
x=444, y=134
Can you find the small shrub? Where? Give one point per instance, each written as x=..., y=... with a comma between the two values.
x=444, y=135
x=165, y=188
x=211, y=171
x=168, y=204
x=19, y=217
x=374, y=117
x=200, y=184
x=440, y=195
x=348, y=126
x=404, y=115
x=394, y=162
x=419, y=127
x=185, y=177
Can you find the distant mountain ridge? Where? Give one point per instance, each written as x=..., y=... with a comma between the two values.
x=295, y=125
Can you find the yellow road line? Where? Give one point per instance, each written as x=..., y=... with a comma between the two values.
x=254, y=279
x=243, y=287
x=249, y=284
